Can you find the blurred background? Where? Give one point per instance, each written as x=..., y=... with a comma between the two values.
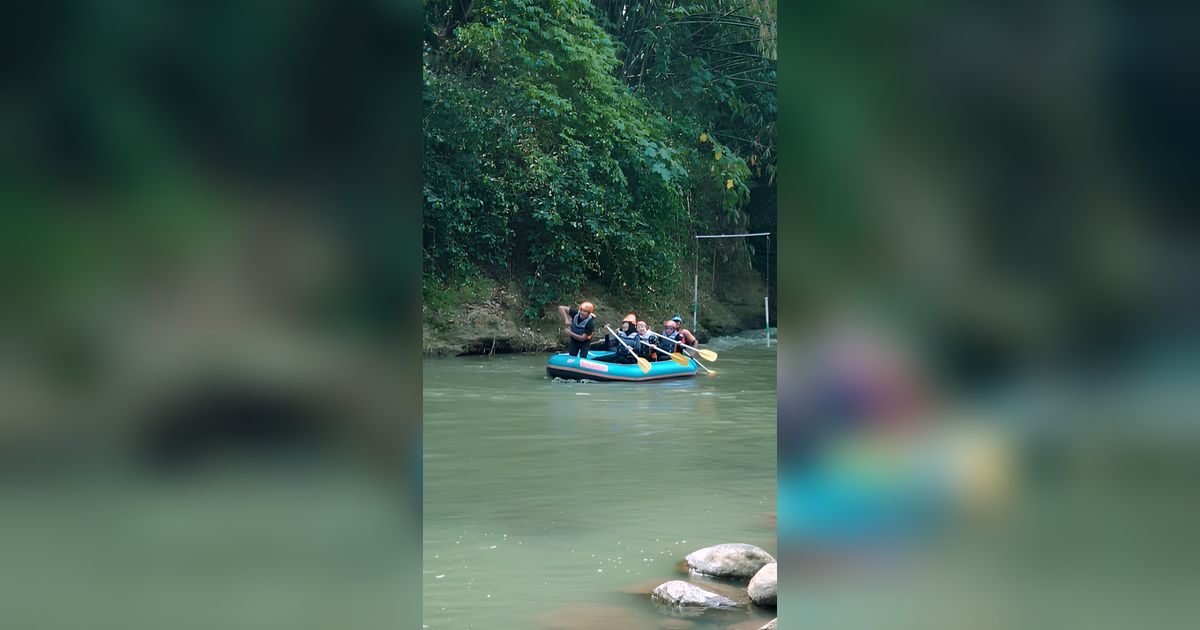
x=208, y=370
x=209, y=385
x=988, y=402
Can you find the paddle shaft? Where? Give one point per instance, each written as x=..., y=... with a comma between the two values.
x=702, y=365
x=677, y=342
x=697, y=360
x=676, y=357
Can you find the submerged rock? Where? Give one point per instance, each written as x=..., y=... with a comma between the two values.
x=597, y=617
x=763, y=585
x=680, y=594
x=733, y=591
x=732, y=560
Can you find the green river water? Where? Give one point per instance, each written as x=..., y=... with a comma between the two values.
x=552, y=503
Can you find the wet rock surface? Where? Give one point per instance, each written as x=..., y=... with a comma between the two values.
x=678, y=593
x=730, y=560
x=763, y=585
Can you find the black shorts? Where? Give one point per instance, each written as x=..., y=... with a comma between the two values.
x=578, y=348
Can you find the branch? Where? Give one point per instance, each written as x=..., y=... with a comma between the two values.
x=725, y=21
x=740, y=79
x=725, y=135
x=725, y=16
x=729, y=52
x=742, y=41
x=734, y=74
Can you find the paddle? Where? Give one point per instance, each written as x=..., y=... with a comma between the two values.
x=685, y=358
x=642, y=363
x=707, y=355
x=710, y=372
x=675, y=356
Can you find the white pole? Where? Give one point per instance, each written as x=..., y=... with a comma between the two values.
x=767, y=318
x=695, y=299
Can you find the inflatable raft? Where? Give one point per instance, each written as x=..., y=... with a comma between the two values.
x=596, y=368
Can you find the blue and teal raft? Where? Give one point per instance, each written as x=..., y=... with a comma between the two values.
x=598, y=367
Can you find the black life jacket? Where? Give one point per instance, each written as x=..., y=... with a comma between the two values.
x=577, y=325
x=633, y=339
x=667, y=341
x=644, y=342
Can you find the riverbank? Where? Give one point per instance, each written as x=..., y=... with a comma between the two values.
x=488, y=317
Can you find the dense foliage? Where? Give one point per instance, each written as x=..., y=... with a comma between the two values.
x=565, y=142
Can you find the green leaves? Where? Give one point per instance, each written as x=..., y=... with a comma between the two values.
x=548, y=156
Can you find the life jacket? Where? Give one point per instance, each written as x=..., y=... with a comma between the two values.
x=578, y=325
x=668, y=339
x=643, y=347
x=633, y=339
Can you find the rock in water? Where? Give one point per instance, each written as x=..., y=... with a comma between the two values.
x=680, y=593
x=762, y=587
x=770, y=624
x=732, y=560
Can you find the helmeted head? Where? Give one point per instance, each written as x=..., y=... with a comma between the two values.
x=631, y=318
x=642, y=328
x=587, y=307
x=678, y=321
x=671, y=325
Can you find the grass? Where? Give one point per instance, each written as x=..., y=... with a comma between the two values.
x=438, y=302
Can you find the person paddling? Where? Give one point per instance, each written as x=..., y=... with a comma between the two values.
x=580, y=324
x=670, y=335
x=628, y=333
x=687, y=335
x=645, y=339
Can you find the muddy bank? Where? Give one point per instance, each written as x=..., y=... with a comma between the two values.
x=490, y=317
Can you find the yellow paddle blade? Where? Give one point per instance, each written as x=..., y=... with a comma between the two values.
x=707, y=355
x=680, y=359
x=644, y=364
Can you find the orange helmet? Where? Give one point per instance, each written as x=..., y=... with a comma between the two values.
x=631, y=318
x=587, y=307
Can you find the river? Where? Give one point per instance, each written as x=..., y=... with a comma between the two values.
x=552, y=503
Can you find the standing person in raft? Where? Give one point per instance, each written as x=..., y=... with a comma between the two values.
x=580, y=324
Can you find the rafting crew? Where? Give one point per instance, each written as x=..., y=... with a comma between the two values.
x=633, y=338
x=581, y=322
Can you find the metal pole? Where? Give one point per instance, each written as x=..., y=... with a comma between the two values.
x=695, y=298
x=767, y=317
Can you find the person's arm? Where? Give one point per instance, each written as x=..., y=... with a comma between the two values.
x=565, y=311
